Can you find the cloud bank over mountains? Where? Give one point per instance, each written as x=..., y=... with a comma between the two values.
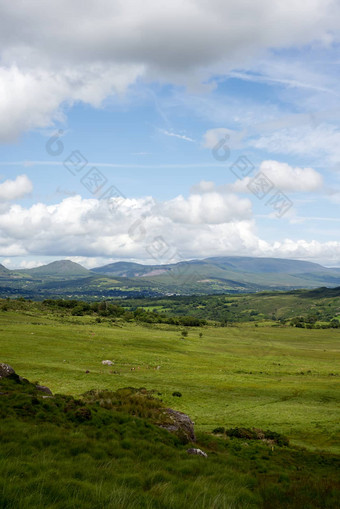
x=213, y=222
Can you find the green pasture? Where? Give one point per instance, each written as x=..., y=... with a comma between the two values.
x=282, y=378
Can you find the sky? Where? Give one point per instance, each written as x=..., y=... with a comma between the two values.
x=157, y=131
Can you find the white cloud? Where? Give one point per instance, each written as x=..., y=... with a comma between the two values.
x=284, y=177
x=92, y=228
x=30, y=264
x=85, y=51
x=319, y=142
x=14, y=189
x=32, y=98
x=203, y=187
x=91, y=231
x=326, y=252
x=176, y=135
x=208, y=208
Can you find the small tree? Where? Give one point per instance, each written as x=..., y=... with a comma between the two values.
x=184, y=333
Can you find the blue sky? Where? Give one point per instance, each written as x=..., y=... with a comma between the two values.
x=149, y=116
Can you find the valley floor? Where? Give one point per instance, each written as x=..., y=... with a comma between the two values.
x=279, y=378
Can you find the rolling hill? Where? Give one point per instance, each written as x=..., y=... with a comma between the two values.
x=229, y=273
x=127, y=269
x=229, y=264
x=215, y=275
x=62, y=268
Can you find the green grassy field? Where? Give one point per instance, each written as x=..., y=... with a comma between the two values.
x=107, y=451
x=281, y=378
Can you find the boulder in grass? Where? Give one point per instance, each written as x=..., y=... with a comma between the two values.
x=197, y=452
x=6, y=370
x=181, y=425
x=44, y=389
x=107, y=363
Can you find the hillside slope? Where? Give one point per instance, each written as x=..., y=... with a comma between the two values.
x=60, y=268
x=194, y=277
x=71, y=453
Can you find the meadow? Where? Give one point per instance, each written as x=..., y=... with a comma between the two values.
x=251, y=375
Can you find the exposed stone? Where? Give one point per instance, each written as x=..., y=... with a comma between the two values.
x=42, y=388
x=6, y=370
x=107, y=363
x=197, y=452
x=181, y=424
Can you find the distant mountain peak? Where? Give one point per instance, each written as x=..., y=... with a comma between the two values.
x=59, y=268
x=213, y=275
x=3, y=269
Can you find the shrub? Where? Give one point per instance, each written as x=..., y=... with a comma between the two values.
x=258, y=434
x=177, y=394
x=244, y=433
x=83, y=414
x=219, y=431
x=279, y=439
x=77, y=311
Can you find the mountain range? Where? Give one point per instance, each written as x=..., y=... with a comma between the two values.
x=126, y=279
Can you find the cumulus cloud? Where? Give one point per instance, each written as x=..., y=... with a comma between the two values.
x=14, y=189
x=208, y=208
x=31, y=98
x=85, y=51
x=118, y=228
x=93, y=231
x=284, y=177
x=328, y=252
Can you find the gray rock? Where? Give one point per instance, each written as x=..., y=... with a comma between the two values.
x=197, y=452
x=42, y=388
x=181, y=424
x=6, y=370
x=107, y=363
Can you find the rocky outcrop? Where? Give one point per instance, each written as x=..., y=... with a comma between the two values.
x=181, y=425
x=6, y=370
